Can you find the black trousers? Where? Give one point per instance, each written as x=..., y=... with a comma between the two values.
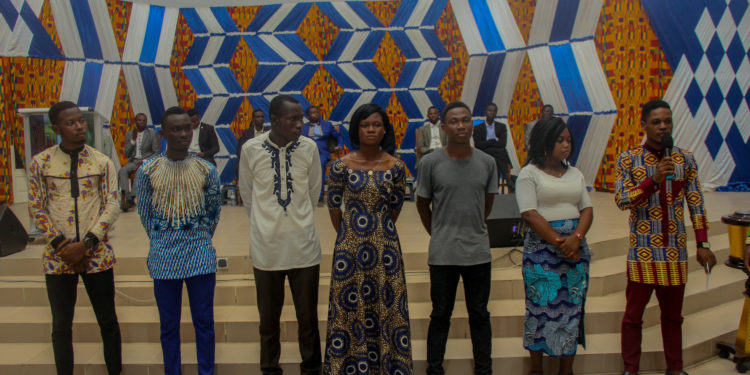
x=269, y=286
x=62, y=294
x=443, y=285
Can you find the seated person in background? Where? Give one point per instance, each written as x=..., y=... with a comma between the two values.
x=205, y=143
x=547, y=112
x=430, y=136
x=256, y=128
x=491, y=137
x=323, y=133
x=141, y=143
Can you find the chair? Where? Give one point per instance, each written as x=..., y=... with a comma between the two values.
x=410, y=193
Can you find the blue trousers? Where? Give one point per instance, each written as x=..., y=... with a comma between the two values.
x=168, y=295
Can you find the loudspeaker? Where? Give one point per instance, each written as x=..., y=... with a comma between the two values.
x=504, y=222
x=13, y=236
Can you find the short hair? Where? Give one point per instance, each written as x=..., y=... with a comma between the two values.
x=276, y=103
x=307, y=111
x=170, y=112
x=431, y=108
x=192, y=112
x=364, y=111
x=652, y=105
x=548, y=105
x=141, y=114
x=54, y=111
x=454, y=105
x=490, y=104
x=543, y=139
x=258, y=110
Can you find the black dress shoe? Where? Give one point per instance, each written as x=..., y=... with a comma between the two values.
x=629, y=373
x=670, y=373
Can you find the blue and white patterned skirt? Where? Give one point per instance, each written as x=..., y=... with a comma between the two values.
x=555, y=293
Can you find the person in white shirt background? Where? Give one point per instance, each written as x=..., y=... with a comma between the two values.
x=430, y=136
x=141, y=143
x=280, y=180
x=205, y=142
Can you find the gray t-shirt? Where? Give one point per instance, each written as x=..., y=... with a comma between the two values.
x=457, y=189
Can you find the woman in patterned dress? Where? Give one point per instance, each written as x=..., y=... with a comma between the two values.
x=368, y=317
x=554, y=202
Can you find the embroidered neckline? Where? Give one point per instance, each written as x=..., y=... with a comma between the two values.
x=276, y=166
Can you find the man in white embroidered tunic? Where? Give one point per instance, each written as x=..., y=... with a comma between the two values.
x=179, y=204
x=280, y=179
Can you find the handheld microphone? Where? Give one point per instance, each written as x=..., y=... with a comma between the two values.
x=667, y=143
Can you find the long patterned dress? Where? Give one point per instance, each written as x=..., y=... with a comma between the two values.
x=368, y=316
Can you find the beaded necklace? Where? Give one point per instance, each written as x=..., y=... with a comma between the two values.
x=178, y=189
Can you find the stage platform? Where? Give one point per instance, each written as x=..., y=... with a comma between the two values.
x=710, y=314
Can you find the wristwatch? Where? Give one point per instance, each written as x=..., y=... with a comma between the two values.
x=704, y=244
x=90, y=240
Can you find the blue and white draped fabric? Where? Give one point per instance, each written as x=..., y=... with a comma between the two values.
x=286, y=64
x=496, y=51
x=706, y=43
x=145, y=59
x=570, y=76
x=219, y=93
x=21, y=32
x=93, y=60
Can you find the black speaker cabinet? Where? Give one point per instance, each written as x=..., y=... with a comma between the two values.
x=13, y=236
x=504, y=222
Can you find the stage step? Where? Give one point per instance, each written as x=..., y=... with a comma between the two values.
x=701, y=331
x=25, y=320
x=240, y=323
x=414, y=253
x=607, y=276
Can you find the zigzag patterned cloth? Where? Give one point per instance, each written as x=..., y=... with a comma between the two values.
x=657, y=251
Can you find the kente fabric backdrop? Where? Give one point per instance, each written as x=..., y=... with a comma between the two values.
x=595, y=63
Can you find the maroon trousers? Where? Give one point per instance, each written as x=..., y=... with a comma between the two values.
x=670, y=304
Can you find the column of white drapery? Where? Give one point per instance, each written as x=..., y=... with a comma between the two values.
x=93, y=63
x=601, y=110
x=483, y=52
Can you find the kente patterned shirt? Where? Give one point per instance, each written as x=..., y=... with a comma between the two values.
x=657, y=251
x=179, y=203
x=53, y=208
x=280, y=186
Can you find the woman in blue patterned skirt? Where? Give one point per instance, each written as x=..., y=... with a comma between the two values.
x=554, y=202
x=368, y=316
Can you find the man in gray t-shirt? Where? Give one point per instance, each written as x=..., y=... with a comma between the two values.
x=456, y=187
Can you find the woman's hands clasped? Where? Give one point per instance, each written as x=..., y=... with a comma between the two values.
x=570, y=246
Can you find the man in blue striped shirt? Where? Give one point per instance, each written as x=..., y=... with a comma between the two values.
x=179, y=204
